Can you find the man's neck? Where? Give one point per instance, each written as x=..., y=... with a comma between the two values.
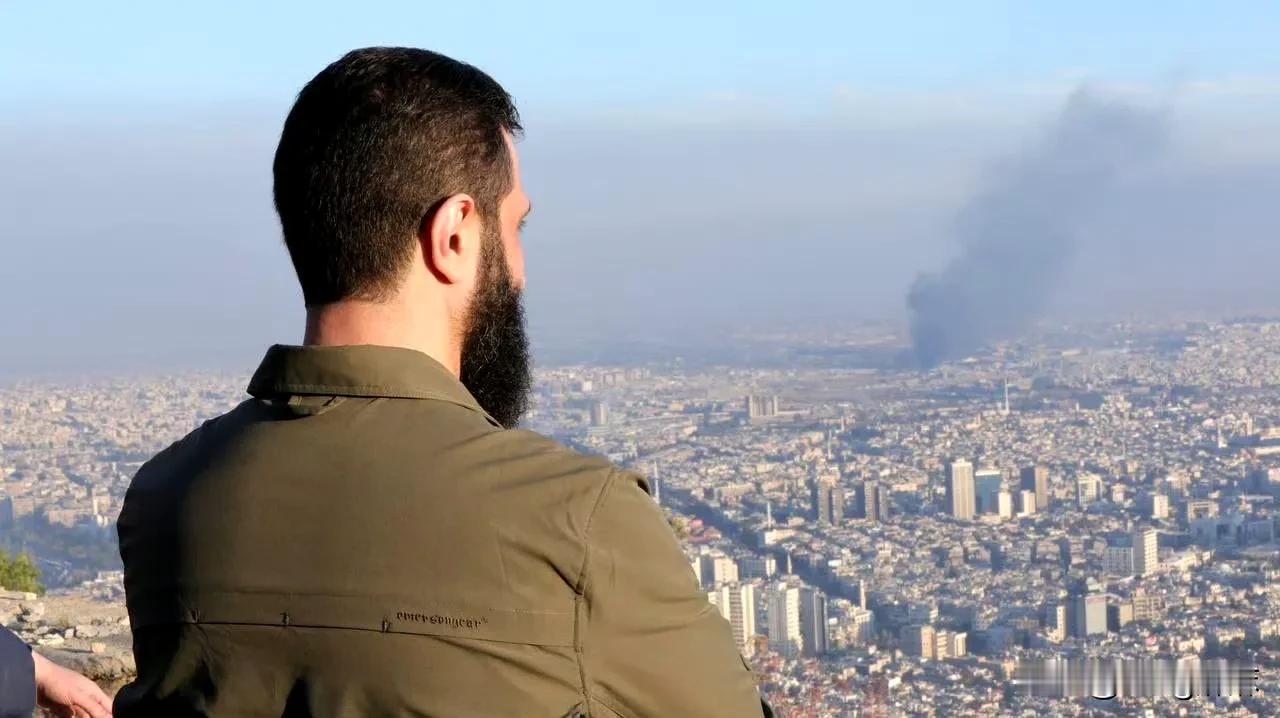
x=386, y=324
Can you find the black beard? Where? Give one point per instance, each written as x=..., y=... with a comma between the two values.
x=495, y=347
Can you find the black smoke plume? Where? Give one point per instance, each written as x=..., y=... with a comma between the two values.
x=1018, y=234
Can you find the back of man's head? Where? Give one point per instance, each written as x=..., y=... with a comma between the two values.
x=372, y=145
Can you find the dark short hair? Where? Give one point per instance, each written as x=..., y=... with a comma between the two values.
x=372, y=145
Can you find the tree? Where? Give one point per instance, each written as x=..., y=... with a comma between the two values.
x=20, y=574
x=679, y=526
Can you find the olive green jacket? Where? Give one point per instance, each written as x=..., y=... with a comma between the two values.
x=362, y=539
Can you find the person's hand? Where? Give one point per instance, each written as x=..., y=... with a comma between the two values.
x=66, y=693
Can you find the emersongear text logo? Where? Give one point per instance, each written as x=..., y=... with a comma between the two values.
x=436, y=619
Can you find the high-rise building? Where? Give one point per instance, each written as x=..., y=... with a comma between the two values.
x=797, y=620
x=1088, y=614
x=716, y=569
x=1146, y=551
x=959, y=644
x=1004, y=504
x=759, y=407
x=785, y=636
x=919, y=640
x=737, y=603
x=862, y=496
x=1117, y=560
x=813, y=621
x=950, y=644
x=1055, y=620
x=987, y=484
x=860, y=594
x=758, y=566
x=862, y=624
x=599, y=413
x=1158, y=507
x=1036, y=479
x=942, y=645
x=1088, y=489
x=960, y=493
x=884, y=501
x=1027, y=502
x=826, y=498
x=1147, y=606
x=820, y=500
x=872, y=502
x=1119, y=615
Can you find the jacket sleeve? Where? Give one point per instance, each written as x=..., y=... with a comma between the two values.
x=17, y=677
x=653, y=644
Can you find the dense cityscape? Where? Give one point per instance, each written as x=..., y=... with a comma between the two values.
x=882, y=540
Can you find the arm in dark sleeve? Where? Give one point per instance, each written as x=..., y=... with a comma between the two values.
x=17, y=677
x=654, y=645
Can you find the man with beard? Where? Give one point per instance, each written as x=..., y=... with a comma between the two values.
x=369, y=535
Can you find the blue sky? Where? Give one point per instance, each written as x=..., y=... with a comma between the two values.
x=580, y=57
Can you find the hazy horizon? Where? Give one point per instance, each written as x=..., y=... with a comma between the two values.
x=136, y=227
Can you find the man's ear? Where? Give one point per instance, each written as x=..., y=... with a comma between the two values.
x=450, y=238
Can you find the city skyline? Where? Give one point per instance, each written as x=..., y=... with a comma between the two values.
x=815, y=509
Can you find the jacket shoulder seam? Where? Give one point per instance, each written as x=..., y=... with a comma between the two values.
x=581, y=586
x=608, y=483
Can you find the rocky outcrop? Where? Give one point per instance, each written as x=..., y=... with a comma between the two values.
x=75, y=630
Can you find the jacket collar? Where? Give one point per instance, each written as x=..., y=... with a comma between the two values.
x=358, y=370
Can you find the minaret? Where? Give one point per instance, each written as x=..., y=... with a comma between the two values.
x=768, y=514
x=1006, y=396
